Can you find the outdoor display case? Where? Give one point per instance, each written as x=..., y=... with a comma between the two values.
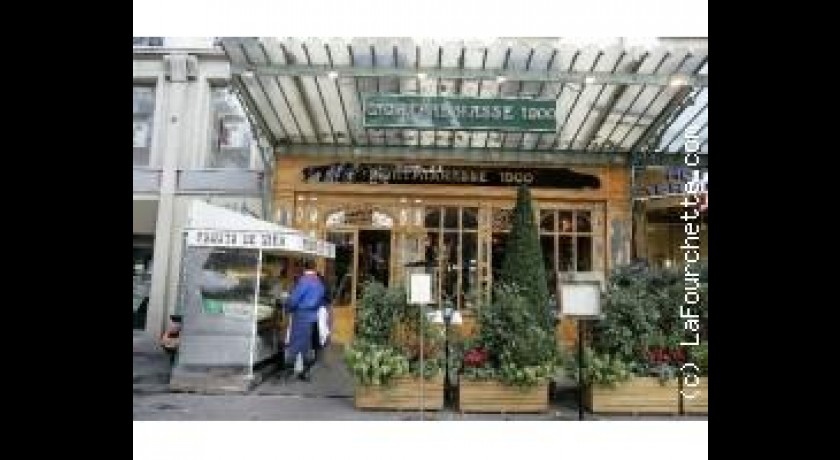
x=230, y=297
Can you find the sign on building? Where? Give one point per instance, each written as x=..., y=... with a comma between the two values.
x=460, y=113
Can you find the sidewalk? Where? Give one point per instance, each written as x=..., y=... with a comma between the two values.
x=173, y=406
x=328, y=396
x=151, y=365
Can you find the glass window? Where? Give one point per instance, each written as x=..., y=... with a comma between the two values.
x=433, y=218
x=584, y=222
x=450, y=220
x=547, y=244
x=470, y=218
x=451, y=249
x=144, y=108
x=584, y=253
x=469, y=269
x=565, y=222
x=574, y=239
x=432, y=249
x=547, y=220
x=566, y=260
x=340, y=281
x=450, y=269
x=230, y=132
x=497, y=248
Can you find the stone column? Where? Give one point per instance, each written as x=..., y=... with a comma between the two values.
x=174, y=107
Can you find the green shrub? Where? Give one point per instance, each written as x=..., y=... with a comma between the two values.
x=518, y=350
x=522, y=263
x=641, y=327
x=387, y=342
x=374, y=364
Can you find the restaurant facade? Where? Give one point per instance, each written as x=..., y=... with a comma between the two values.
x=406, y=153
x=452, y=218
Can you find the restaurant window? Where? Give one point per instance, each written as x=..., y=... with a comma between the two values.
x=451, y=249
x=230, y=132
x=144, y=109
x=566, y=238
x=500, y=226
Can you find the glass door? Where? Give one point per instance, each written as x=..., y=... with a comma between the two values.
x=374, y=257
x=341, y=282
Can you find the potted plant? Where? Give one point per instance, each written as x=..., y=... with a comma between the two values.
x=636, y=353
x=506, y=368
x=384, y=357
x=696, y=398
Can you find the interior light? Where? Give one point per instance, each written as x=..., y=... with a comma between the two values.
x=678, y=81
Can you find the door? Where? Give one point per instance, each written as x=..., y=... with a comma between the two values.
x=360, y=255
x=341, y=281
x=374, y=257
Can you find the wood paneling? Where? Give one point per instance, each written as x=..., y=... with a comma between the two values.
x=343, y=324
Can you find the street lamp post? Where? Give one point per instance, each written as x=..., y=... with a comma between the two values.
x=447, y=320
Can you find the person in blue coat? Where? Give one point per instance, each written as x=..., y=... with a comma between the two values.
x=308, y=295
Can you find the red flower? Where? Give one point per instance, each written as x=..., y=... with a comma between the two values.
x=475, y=357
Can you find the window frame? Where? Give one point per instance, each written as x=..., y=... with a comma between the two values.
x=150, y=119
x=215, y=155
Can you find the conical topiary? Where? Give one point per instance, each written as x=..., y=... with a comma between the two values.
x=523, y=260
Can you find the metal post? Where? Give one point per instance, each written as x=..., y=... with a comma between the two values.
x=447, y=318
x=256, y=313
x=581, y=383
x=422, y=395
x=681, y=407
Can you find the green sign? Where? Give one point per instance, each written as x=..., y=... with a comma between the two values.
x=461, y=113
x=212, y=306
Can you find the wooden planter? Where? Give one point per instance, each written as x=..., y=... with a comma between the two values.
x=639, y=395
x=493, y=396
x=402, y=394
x=700, y=403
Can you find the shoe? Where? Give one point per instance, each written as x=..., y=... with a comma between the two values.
x=303, y=377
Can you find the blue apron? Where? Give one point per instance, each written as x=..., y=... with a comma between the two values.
x=303, y=304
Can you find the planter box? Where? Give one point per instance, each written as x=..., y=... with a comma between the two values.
x=639, y=395
x=700, y=403
x=493, y=396
x=402, y=394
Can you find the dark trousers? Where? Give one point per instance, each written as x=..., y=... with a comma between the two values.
x=302, y=340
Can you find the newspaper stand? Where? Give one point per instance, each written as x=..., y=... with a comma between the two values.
x=230, y=338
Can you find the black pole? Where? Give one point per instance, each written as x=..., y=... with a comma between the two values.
x=581, y=385
x=447, y=385
x=681, y=408
x=447, y=320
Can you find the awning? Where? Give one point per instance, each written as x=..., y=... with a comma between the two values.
x=612, y=96
x=213, y=226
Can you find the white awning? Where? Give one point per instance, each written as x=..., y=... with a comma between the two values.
x=213, y=226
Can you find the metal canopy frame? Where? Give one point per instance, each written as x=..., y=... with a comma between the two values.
x=319, y=70
x=612, y=98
